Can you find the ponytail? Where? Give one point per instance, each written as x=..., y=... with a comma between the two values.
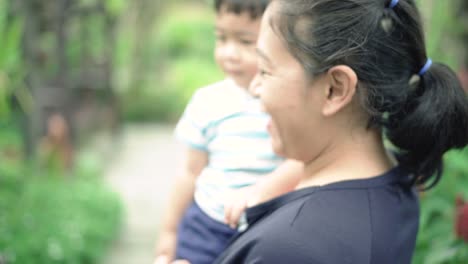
x=433, y=120
x=421, y=107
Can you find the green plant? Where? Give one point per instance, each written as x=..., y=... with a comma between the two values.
x=436, y=240
x=54, y=219
x=187, y=74
x=186, y=34
x=10, y=57
x=441, y=28
x=184, y=45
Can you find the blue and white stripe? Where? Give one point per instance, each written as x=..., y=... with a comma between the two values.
x=228, y=123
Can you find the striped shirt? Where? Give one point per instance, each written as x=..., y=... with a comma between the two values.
x=224, y=120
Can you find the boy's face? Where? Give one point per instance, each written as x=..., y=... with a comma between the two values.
x=236, y=37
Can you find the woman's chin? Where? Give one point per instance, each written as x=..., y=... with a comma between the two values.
x=278, y=149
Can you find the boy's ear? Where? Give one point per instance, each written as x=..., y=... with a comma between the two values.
x=340, y=89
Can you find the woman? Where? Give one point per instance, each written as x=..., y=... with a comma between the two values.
x=337, y=75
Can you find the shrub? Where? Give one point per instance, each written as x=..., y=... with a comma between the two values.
x=55, y=219
x=185, y=44
x=186, y=33
x=437, y=242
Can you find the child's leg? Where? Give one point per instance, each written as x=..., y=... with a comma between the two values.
x=200, y=239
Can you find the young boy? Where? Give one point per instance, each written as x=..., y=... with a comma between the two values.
x=230, y=162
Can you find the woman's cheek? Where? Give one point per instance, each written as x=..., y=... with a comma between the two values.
x=276, y=141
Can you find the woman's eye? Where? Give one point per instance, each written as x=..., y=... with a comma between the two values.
x=247, y=42
x=263, y=73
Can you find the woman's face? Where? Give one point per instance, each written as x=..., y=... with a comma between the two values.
x=291, y=98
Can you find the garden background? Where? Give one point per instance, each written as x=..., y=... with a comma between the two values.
x=72, y=71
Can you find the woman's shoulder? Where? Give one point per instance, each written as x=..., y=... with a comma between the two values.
x=308, y=230
x=336, y=225
x=334, y=216
x=343, y=223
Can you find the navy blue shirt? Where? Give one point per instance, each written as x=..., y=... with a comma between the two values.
x=359, y=221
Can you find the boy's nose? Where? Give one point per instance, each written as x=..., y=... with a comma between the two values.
x=231, y=52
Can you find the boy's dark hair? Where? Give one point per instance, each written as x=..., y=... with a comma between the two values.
x=423, y=116
x=254, y=7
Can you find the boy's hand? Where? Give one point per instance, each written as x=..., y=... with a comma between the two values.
x=236, y=201
x=165, y=248
x=162, y=259
x=165, y=260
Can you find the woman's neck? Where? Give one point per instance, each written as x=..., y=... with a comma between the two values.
x=359, y=155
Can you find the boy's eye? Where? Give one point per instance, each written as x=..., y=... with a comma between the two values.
x=220, y=37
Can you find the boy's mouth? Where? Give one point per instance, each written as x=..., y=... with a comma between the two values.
x=233, y=73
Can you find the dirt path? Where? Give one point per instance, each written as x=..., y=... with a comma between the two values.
x=142, y=171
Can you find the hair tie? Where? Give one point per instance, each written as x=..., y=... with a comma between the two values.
x=425, y=68
x=393, y=4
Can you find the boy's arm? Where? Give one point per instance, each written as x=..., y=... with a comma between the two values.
x=282, y=180
x=180, y=198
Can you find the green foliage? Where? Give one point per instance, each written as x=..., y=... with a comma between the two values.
x=115, y=7
x=56, y=221
x=4, y=104
x=10, y=58
x=150, y=106
x=436, y=241
x=182, y=34
x=53, y=219
x=183, y=47
x=440, y=28
x=167, y=100
x=189, y=73
x=45, y=217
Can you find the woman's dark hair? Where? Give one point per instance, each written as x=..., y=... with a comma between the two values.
x=254, y=7
x=422, y=115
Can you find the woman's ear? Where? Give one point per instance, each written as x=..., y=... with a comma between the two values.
x=340, y=90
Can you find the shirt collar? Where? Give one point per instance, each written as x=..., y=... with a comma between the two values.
x=393, y=176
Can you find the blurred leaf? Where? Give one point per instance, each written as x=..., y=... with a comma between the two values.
x=436, y=239
x=58, y=221
x=181, y=54
x=440, y=30
x=183, y=34
x=440, y=255
x=3, y=15
x=4, y=96
x=9, y=46
x=115, y=7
